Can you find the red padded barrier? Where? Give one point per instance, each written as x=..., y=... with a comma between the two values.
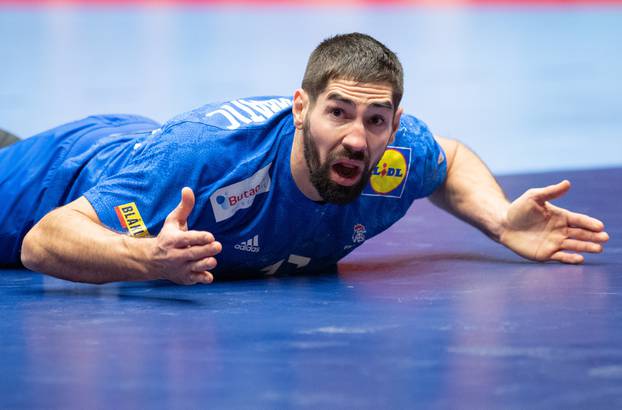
x=314, y=2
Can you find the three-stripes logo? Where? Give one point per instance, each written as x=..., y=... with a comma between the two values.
x=250, y=245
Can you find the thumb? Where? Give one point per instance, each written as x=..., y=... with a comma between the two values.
x=180, y=214
x=552, y=191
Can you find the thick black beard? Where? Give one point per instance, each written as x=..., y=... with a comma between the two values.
x=329, y=190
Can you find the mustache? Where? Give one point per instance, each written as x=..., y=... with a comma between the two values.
x=348, y=153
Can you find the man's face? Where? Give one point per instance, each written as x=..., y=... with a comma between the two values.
x=345, y=133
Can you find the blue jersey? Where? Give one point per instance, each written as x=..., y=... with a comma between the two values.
x=55, y=167
x=236, y=158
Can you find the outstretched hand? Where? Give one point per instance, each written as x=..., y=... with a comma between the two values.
x=182, y=256
x=538, y=230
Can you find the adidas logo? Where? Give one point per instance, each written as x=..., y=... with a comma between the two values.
x=251, y=245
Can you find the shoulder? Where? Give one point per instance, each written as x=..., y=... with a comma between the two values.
x=243, y=113
x=415, y=135
x=226, y=132
x=412, y=166
x=413, y=131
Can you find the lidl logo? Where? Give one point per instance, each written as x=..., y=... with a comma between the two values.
x=389, y=175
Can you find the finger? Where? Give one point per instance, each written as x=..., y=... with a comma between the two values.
x=584, y=221
x=581, y=246
x=203, y=264
x=566, y=257
x=578, y=220
x=193, y=238
x=180, y=214
x=200, y=277
x=552, y=191
x=196, y=253
x=587, y=235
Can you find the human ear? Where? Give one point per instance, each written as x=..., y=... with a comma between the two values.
x=299, y=107
x=396, y=124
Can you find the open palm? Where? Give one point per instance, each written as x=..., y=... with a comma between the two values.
x=541, y=231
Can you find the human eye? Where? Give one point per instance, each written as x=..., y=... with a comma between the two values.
x=377, y=120
x=336, y=112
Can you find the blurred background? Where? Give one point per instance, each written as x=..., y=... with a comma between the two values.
x=530, y=86
x=430, y=312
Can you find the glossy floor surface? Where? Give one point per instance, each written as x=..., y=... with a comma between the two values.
x=431, y=314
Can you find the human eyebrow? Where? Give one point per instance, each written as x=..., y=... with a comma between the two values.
x=335, y=96
x=384, y=104
x=340, y=98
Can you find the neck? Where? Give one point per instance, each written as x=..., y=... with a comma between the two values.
x=300, y=170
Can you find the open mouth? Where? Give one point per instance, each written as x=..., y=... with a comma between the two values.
x=346, y=172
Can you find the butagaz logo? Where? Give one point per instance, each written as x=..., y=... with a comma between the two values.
x=235, y=113
x=359, y=233
x=227, y=200
x=388, y=178
x=251, y=245
x=130, y=219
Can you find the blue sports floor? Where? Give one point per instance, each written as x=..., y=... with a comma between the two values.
x=430, y=314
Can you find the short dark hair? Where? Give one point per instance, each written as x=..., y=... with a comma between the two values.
x=356, y=57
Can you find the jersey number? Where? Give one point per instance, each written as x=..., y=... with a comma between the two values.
x=299, y=261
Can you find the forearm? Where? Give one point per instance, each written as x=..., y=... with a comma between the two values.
x=69, y=245
x=470, y=192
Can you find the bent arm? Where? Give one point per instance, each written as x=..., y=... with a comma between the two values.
x=71, y=243
x=530, y=226
x=470, y=192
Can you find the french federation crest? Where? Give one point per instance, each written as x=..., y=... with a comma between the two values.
x=359, y=233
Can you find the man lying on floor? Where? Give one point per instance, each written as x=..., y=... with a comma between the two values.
x=268, y=185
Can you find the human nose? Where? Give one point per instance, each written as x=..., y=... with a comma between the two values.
x=356, y=139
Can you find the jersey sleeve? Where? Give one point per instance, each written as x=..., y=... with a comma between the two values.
x=138, y=198
x=429, y=164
